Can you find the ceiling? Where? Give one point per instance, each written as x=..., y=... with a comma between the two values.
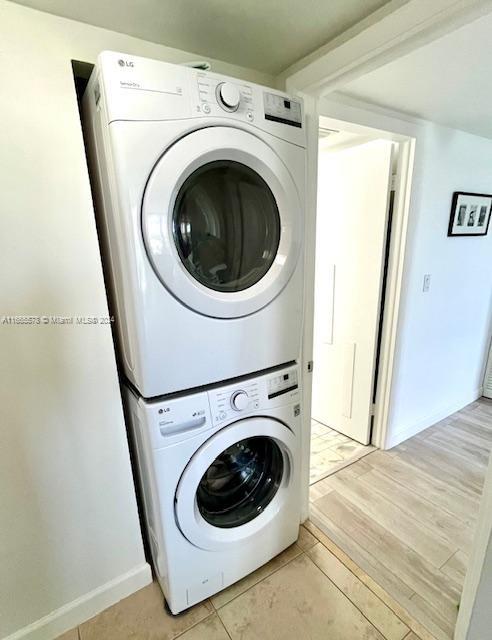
x=260, y=34
x=448, y=81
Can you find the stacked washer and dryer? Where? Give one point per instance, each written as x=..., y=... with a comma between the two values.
x=199, y=187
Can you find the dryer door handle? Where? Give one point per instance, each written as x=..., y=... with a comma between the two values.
x=178, y=427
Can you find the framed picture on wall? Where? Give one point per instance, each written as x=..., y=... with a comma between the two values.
x=470, y=214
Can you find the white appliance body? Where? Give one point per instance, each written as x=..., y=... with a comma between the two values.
x=220, y=479
x=200, y=211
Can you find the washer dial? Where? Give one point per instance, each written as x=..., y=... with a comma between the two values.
x=239, y=400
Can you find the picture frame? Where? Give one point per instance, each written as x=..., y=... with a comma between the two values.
x=470, y=214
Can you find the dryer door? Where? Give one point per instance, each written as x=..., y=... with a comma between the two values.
x=236, y=483
x=221, y=220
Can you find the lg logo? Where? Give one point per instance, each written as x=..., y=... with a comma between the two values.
x=125, y=63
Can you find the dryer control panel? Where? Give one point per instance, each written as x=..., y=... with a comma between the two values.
x=217, y=96
x=282, y=109
x=126, y=87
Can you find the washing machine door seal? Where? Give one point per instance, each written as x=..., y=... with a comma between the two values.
x=231, y=488
x=221, y=222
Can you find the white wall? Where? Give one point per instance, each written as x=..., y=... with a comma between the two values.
x=69, y=528
x=443, y=333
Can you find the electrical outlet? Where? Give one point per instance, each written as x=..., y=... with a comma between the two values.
x=427, y=282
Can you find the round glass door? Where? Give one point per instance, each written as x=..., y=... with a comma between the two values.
x=222, y=221
x=237, y=483
x=226, y=226
x=240, y=482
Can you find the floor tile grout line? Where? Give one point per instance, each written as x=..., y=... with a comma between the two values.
x=181, y=633
x=363, y=570
x=365, y=585
x=211, y=602
x=354, y=604
x=302, y=553
x=394, y=601
x=451, y=556
x=224, y=625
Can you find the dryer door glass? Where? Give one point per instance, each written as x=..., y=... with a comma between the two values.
x=226, y=226
x=240, y=482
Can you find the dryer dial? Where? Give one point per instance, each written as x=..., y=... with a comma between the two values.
x=228, y=96
x=239, y=400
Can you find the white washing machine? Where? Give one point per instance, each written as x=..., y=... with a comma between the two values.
x=220, y=478
x=199, y=182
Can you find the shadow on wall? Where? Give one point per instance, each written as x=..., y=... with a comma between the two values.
x=48, y=473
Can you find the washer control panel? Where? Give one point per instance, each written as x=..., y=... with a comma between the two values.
x=228, y=402
x=252, y=395
x=282, y=383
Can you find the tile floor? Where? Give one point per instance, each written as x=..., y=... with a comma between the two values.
x=306, y=591
x=332, y=451
x=406, y=517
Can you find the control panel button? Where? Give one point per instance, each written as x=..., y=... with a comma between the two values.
x=250, y=116
x=228, y=96
x=239, y=400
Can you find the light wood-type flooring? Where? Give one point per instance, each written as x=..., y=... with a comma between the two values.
x=406, y=517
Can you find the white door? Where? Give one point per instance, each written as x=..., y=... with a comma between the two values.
x=221, y=221
x=353, y=197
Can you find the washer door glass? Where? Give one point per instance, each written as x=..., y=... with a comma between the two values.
x=226, y=226
x=240, y=482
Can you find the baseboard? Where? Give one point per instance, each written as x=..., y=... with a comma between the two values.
x=412, y=430
x=85, y=607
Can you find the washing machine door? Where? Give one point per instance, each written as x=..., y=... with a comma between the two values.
x=221, y=221
x=236, y=483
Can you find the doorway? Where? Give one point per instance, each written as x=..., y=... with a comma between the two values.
x=356, y=178
x=402, y=520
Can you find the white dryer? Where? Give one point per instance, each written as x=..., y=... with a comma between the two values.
x=220, y=478
x=199, y=182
